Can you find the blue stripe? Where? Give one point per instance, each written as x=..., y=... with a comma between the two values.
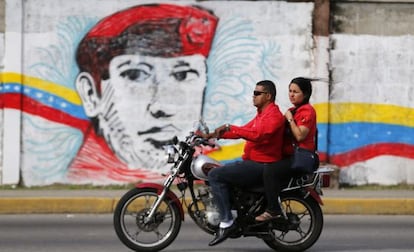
x=350, y=136
x=47, y=99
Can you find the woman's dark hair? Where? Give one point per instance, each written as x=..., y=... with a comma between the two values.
x=305, y=86
x=269, y=87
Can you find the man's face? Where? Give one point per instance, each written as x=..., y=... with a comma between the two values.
x=147, y=101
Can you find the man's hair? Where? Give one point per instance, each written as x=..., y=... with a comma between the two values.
x=269, y=87
x=159, y=30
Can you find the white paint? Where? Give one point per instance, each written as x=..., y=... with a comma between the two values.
x=12, y=118
x=11, y=146
x=373, y=69
x=383, y=170
x=1, y=110
x=320, y=70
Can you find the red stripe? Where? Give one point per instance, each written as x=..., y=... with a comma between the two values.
x=371, y=151
x=30, y=106
x=322, y=156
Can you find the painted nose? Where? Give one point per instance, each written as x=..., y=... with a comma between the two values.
x=157, y=113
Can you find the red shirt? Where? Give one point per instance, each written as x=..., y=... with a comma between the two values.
x=305, y=116
x=263, y=135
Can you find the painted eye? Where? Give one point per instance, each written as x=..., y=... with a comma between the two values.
x=185, y=75
x=136, y=75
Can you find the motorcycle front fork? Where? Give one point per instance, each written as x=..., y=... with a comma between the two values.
x=160, y=198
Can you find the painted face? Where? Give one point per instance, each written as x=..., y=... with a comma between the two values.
x=295, y=94
x=147, y=101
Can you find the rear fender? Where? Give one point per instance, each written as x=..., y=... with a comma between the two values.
x=158, y=188
x=315, y=195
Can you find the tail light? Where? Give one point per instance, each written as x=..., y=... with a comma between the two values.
x=325, y=180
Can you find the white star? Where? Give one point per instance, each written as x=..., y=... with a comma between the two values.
x=39, y=95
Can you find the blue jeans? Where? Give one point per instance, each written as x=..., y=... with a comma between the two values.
x=239, y=173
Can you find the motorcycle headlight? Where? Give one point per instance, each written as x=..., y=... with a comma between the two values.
x=171, y=153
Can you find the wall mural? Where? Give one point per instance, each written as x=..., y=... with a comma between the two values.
x=100, y=101
x=371, y=127
x=101, y=94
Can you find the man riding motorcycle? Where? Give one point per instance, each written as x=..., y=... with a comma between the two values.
x=264, y=139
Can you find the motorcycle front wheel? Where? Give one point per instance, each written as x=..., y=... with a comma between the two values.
x=153, y=235
x=303, y=228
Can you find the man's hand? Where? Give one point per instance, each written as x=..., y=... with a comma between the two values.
x=220, y=130
x=216, y=134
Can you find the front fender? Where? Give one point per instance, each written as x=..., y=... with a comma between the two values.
x=158, y=188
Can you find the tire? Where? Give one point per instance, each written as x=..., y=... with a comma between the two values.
x=129, y=221
x=304, y=228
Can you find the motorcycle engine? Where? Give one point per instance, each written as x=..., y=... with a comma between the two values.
x=211, y=213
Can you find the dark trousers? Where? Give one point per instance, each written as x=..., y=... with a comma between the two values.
x=273, y=177
x=239, y=173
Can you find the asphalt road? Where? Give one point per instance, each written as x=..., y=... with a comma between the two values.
x=93, y=233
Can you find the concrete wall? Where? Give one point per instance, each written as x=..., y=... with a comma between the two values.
x=2, y=28
x=50, y=99
x=371, y=99
x=364, y=99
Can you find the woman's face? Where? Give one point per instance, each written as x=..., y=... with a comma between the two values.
x=147, y=101
x=296, y=95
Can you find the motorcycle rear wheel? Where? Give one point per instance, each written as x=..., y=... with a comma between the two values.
x=137, y=235
x=304, y=228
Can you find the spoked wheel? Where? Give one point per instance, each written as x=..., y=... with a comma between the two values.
x=303, y=228
x=138, y=233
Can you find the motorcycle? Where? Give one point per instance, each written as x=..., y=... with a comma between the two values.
x=149, y=216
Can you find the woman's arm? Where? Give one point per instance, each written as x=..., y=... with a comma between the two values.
x=299, y=132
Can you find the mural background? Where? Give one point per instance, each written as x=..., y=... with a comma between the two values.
x=364, y=99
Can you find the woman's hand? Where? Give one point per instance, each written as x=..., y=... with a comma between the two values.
x=298, y=132
x=289, y=116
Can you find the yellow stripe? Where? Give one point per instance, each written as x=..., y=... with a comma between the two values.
x=228, y=152
x=364, y=112
x=50, y=87
x=372, y=113
x=322, y=110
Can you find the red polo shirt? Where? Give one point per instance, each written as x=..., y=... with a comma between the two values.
x=263, y=135
x=305, y=116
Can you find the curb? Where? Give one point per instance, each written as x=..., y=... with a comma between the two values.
x=101, y=205
x=372, y=206
x=56, y=205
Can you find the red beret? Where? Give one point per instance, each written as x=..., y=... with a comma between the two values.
x=196, y=29
x=161, y=30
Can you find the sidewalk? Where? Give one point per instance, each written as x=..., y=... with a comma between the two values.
x=336, y=201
